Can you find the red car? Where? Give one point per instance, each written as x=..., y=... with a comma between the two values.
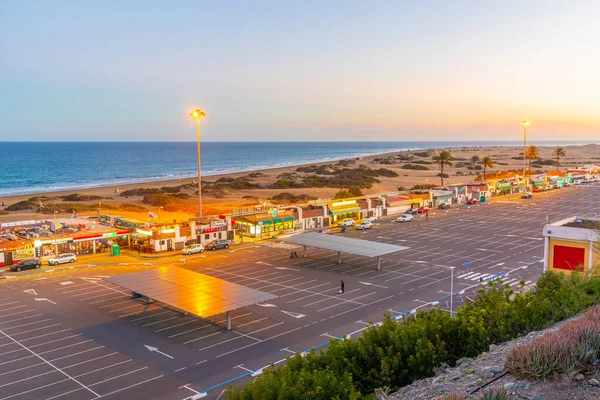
x=423, y=210
x=472, y=201
x=538, y=189
x=326, y=231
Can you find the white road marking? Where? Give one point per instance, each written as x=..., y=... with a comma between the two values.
x=156, y=350
x=50, y=364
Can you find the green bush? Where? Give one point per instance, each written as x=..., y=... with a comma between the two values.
x=415, y=167
x=495, y=394
x=395, y=354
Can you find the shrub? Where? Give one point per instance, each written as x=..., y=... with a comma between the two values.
x=343, y=194
x=571, y=348
x=452, y=396
x=401, y=188
x=168, y=201
x=495, y=394
x=395, y=354
x=416, y=167
x=23, y=205
x=478, y=168
x=292, y=198
x=423, y=153
x=80, y=197
x=445, y=175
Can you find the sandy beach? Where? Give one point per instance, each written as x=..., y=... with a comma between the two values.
x=230, y=192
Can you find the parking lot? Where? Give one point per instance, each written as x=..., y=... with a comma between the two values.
x=69, y=334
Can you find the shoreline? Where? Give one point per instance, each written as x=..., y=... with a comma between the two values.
x=221, y=196
x=150, y=180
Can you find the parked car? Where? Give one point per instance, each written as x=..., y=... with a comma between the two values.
x=26, y=264
x=326, y=231
x=347, y=222
x=364, y=225
x=444, y=206
x=62, y=259
x=527, y=195
x=218, y=244
x=370, y=219
x=411, y=211
x=423, y=210
x=472, y=201
x=195, y=248
x=537, y=189
x=556, y=186
x=405, y=218
x=567, y=184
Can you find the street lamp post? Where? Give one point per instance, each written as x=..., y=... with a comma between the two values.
x=198, y=115
x=525, y=124
x=451, y=291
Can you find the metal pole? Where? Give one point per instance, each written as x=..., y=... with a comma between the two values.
x=228, y=320
x=199, y=178
x=304, y=252
x=451, y=291
x=378, y=263
x=339, y=257
x=524, y=149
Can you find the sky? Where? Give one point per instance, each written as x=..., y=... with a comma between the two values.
x=299, y=70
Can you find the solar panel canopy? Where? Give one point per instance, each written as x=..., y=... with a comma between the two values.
x=189, y=291
x=358, y=247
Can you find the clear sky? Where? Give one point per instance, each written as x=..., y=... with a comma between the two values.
x=299, y=70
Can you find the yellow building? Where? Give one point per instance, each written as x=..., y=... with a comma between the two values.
x=572, y=244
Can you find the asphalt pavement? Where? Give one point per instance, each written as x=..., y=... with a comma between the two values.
x=65, y=333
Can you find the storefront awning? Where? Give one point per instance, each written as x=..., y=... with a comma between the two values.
x=339, y=211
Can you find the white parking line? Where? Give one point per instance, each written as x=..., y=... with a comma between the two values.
x=55, y=340
x=8, y=315
x=90, y=360
x=150, y=316
x=28, y=378
x=76, y=354
x=21, y=369
x=34, y=389
x=130, y=386
x=50, y=364
x=45, y=334
x=176, y=325
x=30, y=323
x=11, y=308
x=162, y=320
x=103, y=368
x=67, y=346
x=120, y=376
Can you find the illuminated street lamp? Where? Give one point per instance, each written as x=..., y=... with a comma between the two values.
x=525, y=124
x=198, y=115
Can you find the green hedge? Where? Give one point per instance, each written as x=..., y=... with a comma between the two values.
x=395, y=354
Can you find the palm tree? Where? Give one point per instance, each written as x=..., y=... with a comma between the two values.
x=487, y=163
x=444, y=158
x=532, y=153
x=558, y=153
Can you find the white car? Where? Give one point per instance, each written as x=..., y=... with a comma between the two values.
x=62, y=259
x=364, y=225
x=347, y=222
x=370, y=219
x=195, y=248
x=405, y=218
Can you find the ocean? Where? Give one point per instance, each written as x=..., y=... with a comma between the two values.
x=36, y=167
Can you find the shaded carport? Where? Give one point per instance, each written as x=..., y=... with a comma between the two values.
x=190, y=292
x=359, y=247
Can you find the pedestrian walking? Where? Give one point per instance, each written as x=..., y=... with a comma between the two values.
x=342, y=287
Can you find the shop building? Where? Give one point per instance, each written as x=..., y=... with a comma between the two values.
x=339, y=210
x=440, y=196
x=398, y=204
x=158, y=237
x=311, y=216
x=205, y=230
x=572, y=244
x=264, y=226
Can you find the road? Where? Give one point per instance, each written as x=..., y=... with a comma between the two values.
x=67, y=334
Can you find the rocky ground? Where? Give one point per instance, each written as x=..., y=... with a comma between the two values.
x=471, y=374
